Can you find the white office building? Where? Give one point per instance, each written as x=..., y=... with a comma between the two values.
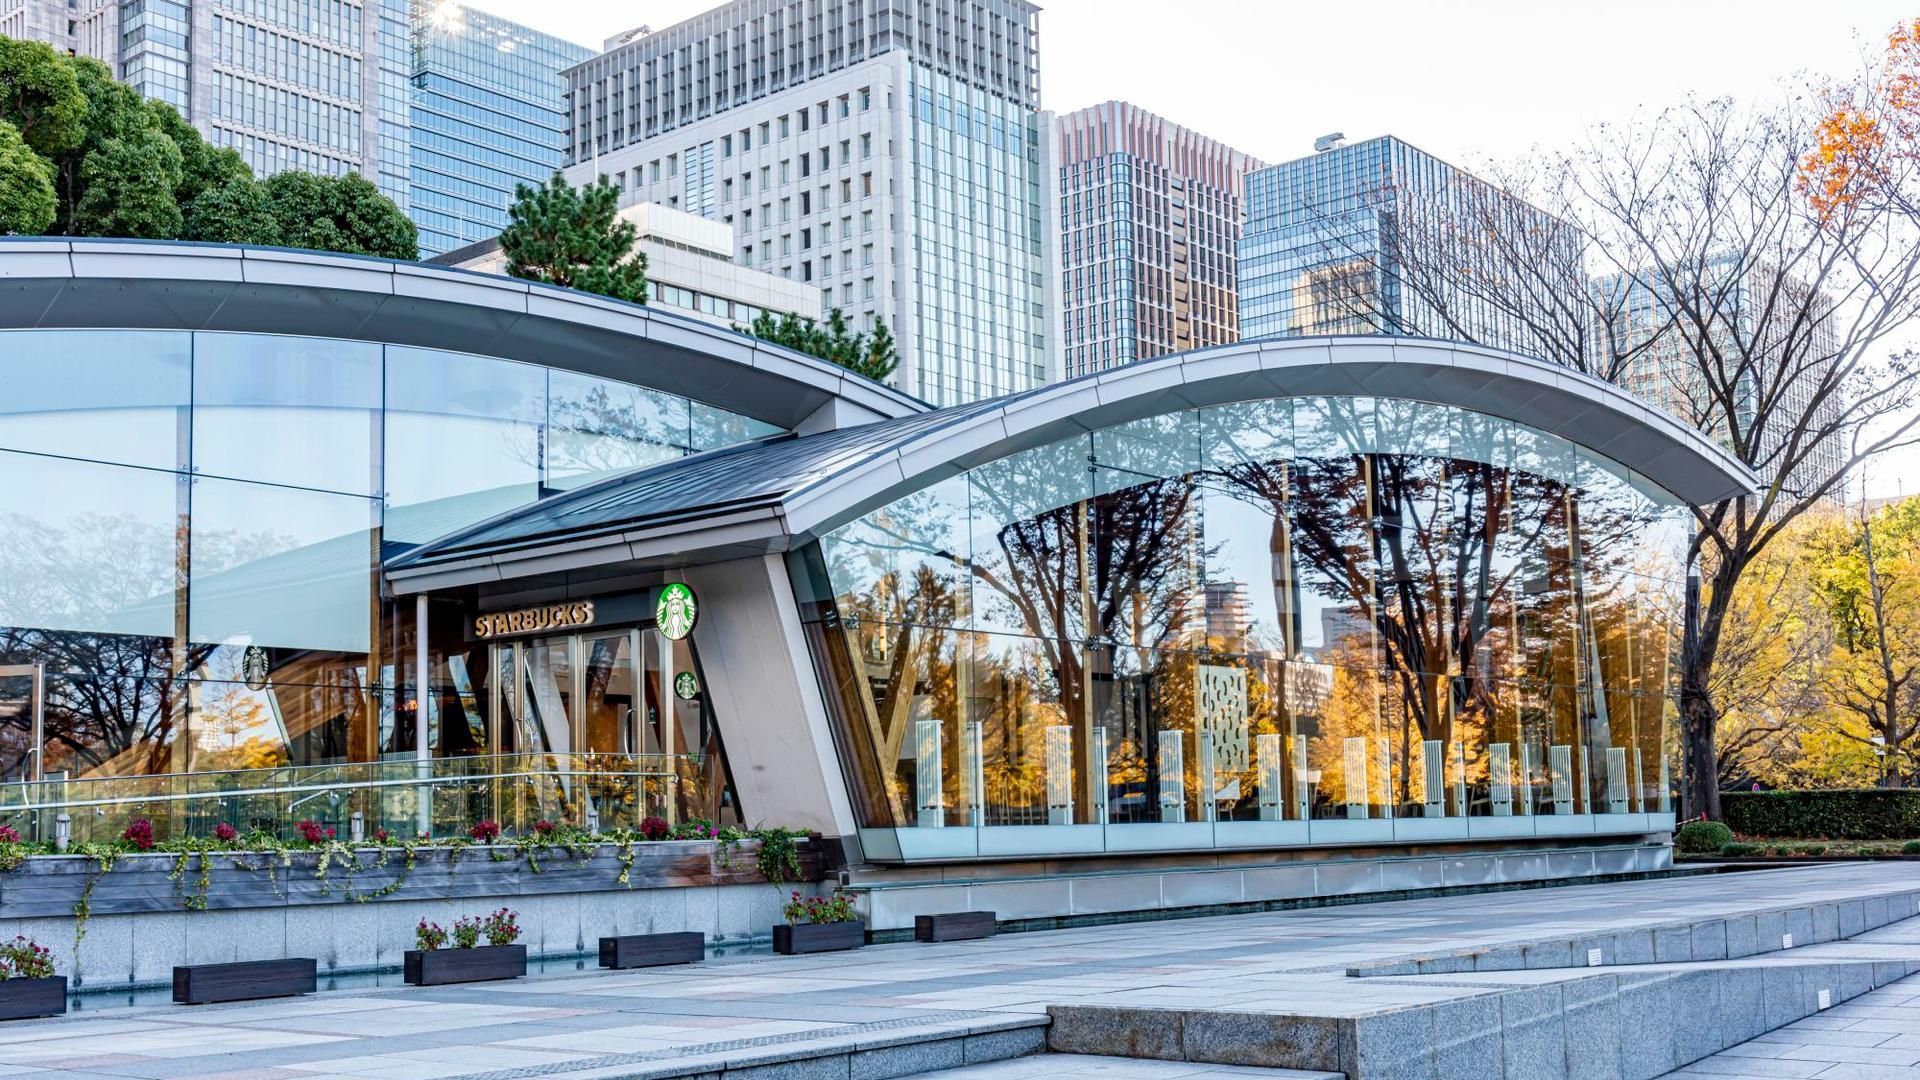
x=886, y=153
x=691, y=268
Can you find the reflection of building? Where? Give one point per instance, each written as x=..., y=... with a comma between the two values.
x=1328, y=239
x=1149, y=215
x=489, y=113
x=248, y=531
x=892, y=162
x=76, y=27
x=690, y=267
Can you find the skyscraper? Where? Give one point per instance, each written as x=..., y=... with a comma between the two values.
x=888, y=153
x=1150, y=217
x=1379, y=237
x=316, y=85
x=489, y=113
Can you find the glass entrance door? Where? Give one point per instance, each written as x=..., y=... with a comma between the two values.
x=22, y=721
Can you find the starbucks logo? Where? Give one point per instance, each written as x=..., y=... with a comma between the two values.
x=254, y=667
x=685, y=686
x=676, y=611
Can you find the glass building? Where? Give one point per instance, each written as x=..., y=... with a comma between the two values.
x=489, y=113
x=1326, y=594
x=1327, y=237
x=190, y=582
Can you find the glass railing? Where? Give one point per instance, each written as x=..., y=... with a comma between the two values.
x=441, y=798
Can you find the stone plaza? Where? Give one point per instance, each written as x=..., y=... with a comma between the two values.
x=1780, y=972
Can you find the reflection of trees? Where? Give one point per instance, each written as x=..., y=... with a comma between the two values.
x=599, y=432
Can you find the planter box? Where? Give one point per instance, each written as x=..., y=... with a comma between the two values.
x=792, y=939
x=484, y=964
x=203, y=984
x=953, y=926
x=25, y=999
x=652, y=950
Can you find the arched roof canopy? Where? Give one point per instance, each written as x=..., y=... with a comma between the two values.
x=772, y=495
x=62, y=283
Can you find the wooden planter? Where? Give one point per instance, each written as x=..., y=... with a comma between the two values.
x=203, y=984
x=652, y=950
x=792, y=939
x=953, y=926
x=24, y=999
x=484, y=964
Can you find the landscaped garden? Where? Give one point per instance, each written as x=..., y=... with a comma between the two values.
x=1874, y=823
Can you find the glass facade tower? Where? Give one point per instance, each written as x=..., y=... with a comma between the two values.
x=1326, y=238
x=489, y=113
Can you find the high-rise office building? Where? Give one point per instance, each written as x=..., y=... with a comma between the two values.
x=1149, y=219
x=886, y=152
x=1783, y=363
x=78, y=27
x=316, y=85
x=1379, y=237
x=489, y=113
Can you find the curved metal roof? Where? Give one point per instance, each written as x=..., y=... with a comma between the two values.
x=63, y=283
x=769, y=495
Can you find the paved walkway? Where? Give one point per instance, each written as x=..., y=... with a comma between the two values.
x=1095, y=1067
x=1873, y=1037
x=951, y=1004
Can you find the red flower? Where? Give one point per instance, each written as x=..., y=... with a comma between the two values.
x=312, y=833
x=380, y=835
x=8, y=836
x=225, y=833
x=543, y=826
x=139, y=834
x=654, y=828
x=485, y=831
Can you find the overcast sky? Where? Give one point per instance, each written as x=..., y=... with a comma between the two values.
x=1469, y=81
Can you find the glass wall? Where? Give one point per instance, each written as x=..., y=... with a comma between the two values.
x=193, y=527
x=1297, y=610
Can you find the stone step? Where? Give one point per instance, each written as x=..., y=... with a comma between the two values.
x=1755, y=933
x=878, y=1051
x=1618, y=1025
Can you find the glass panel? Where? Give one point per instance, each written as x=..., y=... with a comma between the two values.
x=600, y=426
x=462, y=440
x=287, y=410
x=714, y=428
x=902, y=563
x=1029, y=533
x=281, y=567
x=106, y=395
x=610, y=685
x=16, y=726
x=114, y=726
x=546, y=686
x=84, y=547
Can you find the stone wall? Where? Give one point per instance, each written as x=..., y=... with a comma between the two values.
x=152, y=912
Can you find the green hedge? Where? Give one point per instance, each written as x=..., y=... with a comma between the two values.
x=1870, y=814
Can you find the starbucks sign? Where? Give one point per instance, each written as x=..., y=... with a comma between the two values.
x=676, y=611
x=685, y=686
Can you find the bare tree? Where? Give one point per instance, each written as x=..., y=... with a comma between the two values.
x=1682, y=256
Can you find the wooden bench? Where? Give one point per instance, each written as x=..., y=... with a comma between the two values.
x=953, y=926
x=203, y=984
x=652, y=950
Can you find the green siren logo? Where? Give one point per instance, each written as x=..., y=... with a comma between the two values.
x=685, y=686
x=676, y=611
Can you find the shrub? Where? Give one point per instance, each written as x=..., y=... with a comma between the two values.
x=1911, y=847
x=1702, y=837
x=1739, y=849
x=139, y=834
x=1863, y=814
x=1810, y=849
x=820, y=909
x=429, y=936
x=500, y=928
x=22, y=958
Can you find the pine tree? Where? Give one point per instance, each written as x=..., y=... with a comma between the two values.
x=871, y=355
x=574, y=237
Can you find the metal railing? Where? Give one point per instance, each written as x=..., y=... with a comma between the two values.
x=594, y=791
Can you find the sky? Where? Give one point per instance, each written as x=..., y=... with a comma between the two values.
x=1472, y=82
